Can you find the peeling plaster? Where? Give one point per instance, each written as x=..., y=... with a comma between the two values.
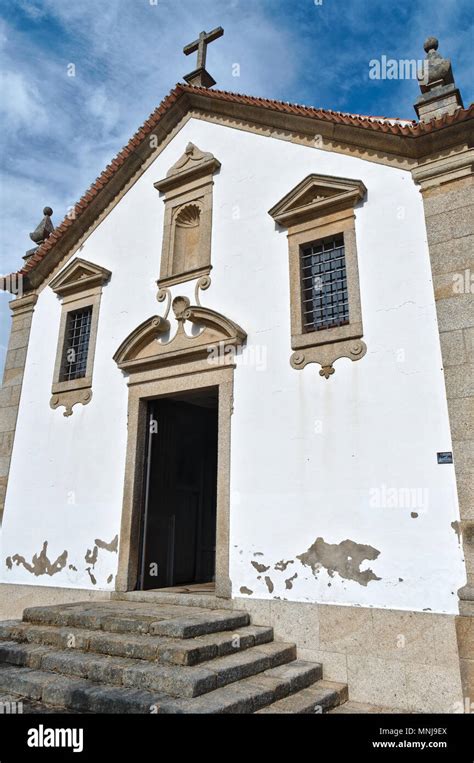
x=92, y=577
x=40, y=563
x=110, y=578
x=71, y=567
x=112, y=546
x=269, y=583
x=457, y=529
x=414, y=515
x=344, y=558
x=92, y=556
x=281, y=565
x=246, y=590
x=289, y=581
x=9, y=562
x=260, y=567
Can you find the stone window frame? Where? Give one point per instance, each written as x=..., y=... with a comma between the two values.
x=188, y=183
x=329, y=213
x=78, y=286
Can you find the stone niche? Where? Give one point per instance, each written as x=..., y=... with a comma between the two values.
x=187, y=190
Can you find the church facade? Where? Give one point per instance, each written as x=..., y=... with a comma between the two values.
x=242, y=367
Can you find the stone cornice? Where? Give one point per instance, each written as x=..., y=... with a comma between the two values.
x=396, y=144
x=444, y=169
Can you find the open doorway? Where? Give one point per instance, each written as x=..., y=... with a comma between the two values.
x=178, y=523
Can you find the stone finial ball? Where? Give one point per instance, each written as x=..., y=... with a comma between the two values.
x=431, y=43
x=47, y=211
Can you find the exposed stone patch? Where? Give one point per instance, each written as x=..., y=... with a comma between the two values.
x=258, y=553
x=40, y=563
x=282, y=565
x=112, y=546
x=91, y=556
x=269, y=583
x=414, y=515
x=92, y=577
x=344, y=558
x=245, y=590
x=289, y=581
x=260, y=567
x=110, y=578
x=457, y=529
x=9, y=562
x=71, y=567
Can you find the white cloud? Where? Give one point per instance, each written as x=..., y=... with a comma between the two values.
x=31, y=9
x=20, y=103
x=105, y=110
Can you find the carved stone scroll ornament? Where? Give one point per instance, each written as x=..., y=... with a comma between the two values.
x=203, y=284
x=145, y=347
x=70, y=399
x=326, y=355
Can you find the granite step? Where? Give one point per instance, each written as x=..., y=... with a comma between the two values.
x=317, y=699
x=136, y=617
x=176, y=681
x=247, y=696
x=172, y=651
x=362, y=708
x=191, y=599
x=12, y=704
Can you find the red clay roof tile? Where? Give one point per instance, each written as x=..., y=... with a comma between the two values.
x=382, y=124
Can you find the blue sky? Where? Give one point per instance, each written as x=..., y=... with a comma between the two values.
x=58, y=132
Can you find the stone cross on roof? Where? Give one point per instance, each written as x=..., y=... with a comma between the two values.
x=200, y=76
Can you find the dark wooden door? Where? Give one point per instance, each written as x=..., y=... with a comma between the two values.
x=179, y=520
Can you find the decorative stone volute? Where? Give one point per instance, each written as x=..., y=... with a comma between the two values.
x=41, y=232
x=439, y=92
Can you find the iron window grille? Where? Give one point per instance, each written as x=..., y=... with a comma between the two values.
x=76, y=345
x=324, y=284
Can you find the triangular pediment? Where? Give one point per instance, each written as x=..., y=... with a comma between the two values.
x=145, y=347
x=79, y=275
x=316, y=195
x=193, y=163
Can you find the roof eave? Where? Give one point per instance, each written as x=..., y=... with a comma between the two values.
x=403, y=142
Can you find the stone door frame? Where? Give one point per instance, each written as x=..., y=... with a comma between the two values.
x=150, y=385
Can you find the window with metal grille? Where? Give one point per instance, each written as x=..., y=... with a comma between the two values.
x=76, y=344
x=324, y=284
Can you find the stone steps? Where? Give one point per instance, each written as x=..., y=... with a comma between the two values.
x=247, y=696
x=146, y=657
x=176, y=681
x=136, y=646
x=14, y=705
x=318, y=698
x=136, y=617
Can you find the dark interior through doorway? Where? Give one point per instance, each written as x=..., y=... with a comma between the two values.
x=178, y=527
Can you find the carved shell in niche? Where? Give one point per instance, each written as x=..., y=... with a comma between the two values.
x=189, y=216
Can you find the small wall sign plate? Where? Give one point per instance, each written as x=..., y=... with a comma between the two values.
x=445, y=458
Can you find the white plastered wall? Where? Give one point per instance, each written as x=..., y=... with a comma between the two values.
x=311, y=458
